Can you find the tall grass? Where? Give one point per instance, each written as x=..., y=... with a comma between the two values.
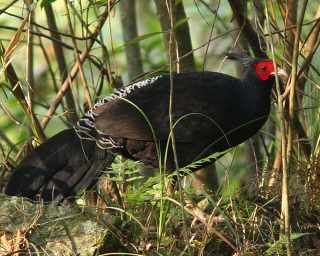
x=272, y=210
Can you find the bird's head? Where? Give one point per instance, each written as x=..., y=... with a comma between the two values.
x=264, y=68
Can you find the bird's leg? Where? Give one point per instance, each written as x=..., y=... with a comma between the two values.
x=207, y=177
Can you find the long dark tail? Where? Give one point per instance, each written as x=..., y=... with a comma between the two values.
x=59, y=168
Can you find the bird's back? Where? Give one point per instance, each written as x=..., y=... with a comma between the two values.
x=206, y=107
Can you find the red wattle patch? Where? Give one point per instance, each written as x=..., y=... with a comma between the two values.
x=264, y=69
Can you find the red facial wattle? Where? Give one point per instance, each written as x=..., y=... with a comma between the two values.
x=264, y=69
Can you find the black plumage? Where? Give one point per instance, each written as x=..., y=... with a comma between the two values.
x=59, y=168
x=211, y=113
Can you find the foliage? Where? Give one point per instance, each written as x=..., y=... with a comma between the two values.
x=242, y=216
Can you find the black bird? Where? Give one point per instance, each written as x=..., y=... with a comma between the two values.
x=211, y=112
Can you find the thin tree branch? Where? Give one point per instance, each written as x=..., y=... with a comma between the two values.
x=70, y=103
x=82, y=76
x=72, y=74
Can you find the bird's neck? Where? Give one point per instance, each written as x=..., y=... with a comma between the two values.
x=258, y=93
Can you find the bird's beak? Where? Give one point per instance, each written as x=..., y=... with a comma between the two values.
x=281, y=73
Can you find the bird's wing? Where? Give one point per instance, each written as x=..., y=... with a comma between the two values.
x=200, y=102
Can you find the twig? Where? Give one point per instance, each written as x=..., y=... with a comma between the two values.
x=285, y=216
x=8, y=6
x=249, y=33
x=204, y=219
x=70, y=104
x=75, y=68
x=15, y=83
x=82, y=76
x=29, y=60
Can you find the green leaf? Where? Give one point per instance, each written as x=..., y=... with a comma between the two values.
x=295, y=236
x=139, y=38
x=181, y=22
x=203, y=161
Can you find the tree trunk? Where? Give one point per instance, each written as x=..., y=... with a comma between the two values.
x=180, y=53
x=181, y=50
x=70, y=104
x=130, y=32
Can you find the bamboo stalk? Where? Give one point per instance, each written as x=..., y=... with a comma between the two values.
x=285, y=203
x=74, y=70
x=130, y=32
x=70, y=104
x=15, y=82
x=82, y=76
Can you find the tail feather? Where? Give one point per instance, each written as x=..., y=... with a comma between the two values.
x=59, y=168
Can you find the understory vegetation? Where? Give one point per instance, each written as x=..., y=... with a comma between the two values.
x=59, y=57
